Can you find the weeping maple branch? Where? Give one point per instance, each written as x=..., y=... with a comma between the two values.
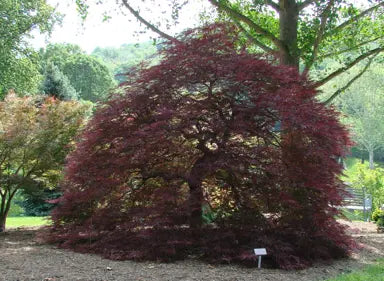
x=348, y=66
x=146, y=23
x=339, y=91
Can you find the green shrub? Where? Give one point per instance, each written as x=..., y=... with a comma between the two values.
x=372, y=181
x=208, y=215
x=380, y=221
x=16, y=211
x=36, y=203
x=377, y=214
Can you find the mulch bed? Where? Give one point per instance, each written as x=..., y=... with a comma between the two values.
x=22, y=257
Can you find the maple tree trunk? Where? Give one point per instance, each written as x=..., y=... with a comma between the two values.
x=5, y=206
x=3, y=218
x=288, y=16
x=195, y=203
x=196, y=193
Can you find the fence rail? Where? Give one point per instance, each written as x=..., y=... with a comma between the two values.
x=358, y=199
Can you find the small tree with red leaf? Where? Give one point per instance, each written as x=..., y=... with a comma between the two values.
x=211, y=130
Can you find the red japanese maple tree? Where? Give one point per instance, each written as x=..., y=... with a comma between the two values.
x=214, y=151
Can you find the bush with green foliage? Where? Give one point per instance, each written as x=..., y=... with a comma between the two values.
x=16, y=210
x=38, y=203
x=56, y=84
x=372, y=181
x=377, y=214
x=378, y=217
x=89, y=76
x=36, y=134
x=380, y=221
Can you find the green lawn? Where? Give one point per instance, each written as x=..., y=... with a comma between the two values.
x=13, y=222
x=369, y=273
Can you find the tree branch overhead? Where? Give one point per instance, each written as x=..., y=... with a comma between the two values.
x=348, y=66
x=240, y=17
x=339, y=91
x=147, y=23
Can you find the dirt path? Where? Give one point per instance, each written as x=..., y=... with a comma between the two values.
x=23, y=258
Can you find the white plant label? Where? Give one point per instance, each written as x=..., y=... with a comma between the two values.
x=260, y=251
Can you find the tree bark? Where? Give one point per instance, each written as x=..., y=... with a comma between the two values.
x=288, y=16
x=371, y=158
x=198, y=172
x=195, y=180
x=3, y=219
x=5, y=206
x=195, y=203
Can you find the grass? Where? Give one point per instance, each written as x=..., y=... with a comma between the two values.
x=13, y=222
x=370, y=273
x=354, y=215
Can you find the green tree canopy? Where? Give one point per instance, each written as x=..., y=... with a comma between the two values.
x=57, y=84
x=35, y=136
x=363, y=106
x=58, y=54
x=18, y=18
x=89, y=76
x=120, y=60
x=296, y=32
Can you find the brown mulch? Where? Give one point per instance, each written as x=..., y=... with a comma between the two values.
x=23, y=258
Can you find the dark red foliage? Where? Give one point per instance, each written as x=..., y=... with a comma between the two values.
x=211, y=130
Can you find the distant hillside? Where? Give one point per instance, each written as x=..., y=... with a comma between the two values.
x=120, y=60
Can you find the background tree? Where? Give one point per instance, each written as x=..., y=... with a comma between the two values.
x=370, y=181
x=89, y=76
x=300, y=33
x=56, y=84
x=22, y=75
x=363, y=106
x=120, y=60
x=37, y=202
x=35, y=136
x=58, y=54
x=18, y=65
x=216, y=128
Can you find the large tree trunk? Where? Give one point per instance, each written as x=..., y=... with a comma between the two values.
x=195, y=203
x=5, y=206
x=196, y=194
x=288, y=32
x=2, y=212
x=3, y=219
x=371, y=158
x=198, y=172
